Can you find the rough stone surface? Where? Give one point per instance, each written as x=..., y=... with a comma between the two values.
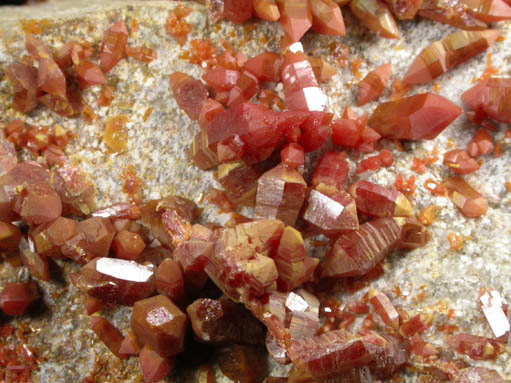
x=155, y=148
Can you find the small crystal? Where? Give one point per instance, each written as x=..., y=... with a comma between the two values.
x=280, y=194
x=109, y=335
x=129, y=345
x=470, y=203
x=295, y=17
x=266, y=10
x=117, y=281
x=331, y=172
x=404, y=10
x=265, y=66
x=114, y=45
x=327, y=17
x=10, y=236
x=169, y=280
x=221, y=79
x=238, y=11
x=476, y=347
x=378, y=201
x=154, y=365
x=23, y=80
x=159, y=324
x=89, y=74
x=376, y=16
x=452, y=12
x=460, y=162
x=127, y=245
x=36, y=263
x=17, y=298
x=374, y=83
x=384, y=308
x=490, y=98
x=190, y=94
x=492, y=307
x=75, y=189
x=38, y=203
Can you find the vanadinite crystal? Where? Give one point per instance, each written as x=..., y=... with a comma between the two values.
x=295, y=17
x=114, y=45
x=17, y=298
x=127, y=245
x=240, y=264
x=492, y=306
x=378, y=201
x=327, y=17
x=404, y=9
x=169, y=280
x=331, y=172
x=423, y=116
x=23, y=80
x=448, y=53
x=243, y=364
x=476, y=347
x=376, y=16
x=115, y=135
x=223, y=321
x=117, y=280
x=490, y=98
x=109, y=335
x=36, y=263
x=190, y=94
x=160, y=324
x=374, y=83
x=154, y=366
x=470, y=203
x=38, y=203
x=266, y=10
x=280, y=194
x=266, y=66
x=357, y=252
x=332, y=214
x=10, y=236
x=75, y=189
x=451, y=12
x=384, y=308
x=460, y=162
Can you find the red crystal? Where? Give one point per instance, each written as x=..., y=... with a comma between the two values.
x=170, y=219
x=421, y=348
x=246, y=87
x=489, y=11
x=416, y=324
x=293, y=156
x=373, y=84
x=49, y=76
x=479, y=375
x=127, y=245
x=189, y=93
x=423, y=116
x=122, y=210
x=23, y=80
x=451, y=51
x=404, y=9
x=331, y=172
x=470, y=203
x=89, y=74
x=129, y=345
x=38, y=203
x=481, y=144
x=384, y=308
x=375, y=15
x=142, y=53
x=210, y=109
x=240, y=265
x=99, y=234
x=295, y=17
x=315, y=131
x=223, y=321
x=238, y=11
x=36, y=263
x=114, y=46
x=332, y=214
x=48, y=237
x=117, y=281
x=413, y=234
x=490, y=98
x=460, y=162
x=492, y=306
x=357, y=252
x=154, y=365
x=293, y=266
x=378, y=201
x=17, y=298
x=454, y=13
x=322, y=70
x=75, y=189
x=301, y=88
x=10, y=236
x=169, y=280
x=327, y=17
x=476, y=347
x=266, y=66
x=280, y=194
x=159, y=324
x=221, y=79
x=54, y=155
x=109, y=335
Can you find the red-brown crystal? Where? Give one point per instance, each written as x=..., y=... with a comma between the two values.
x=295, y=17
x=108, y=333
x=223, y=321
x=129, y=345
x=384, y=308
x=36, y=263
x=75, y=189
x=114, y=46
x=243, y=364
x=452, y=12
x=23, y=80
x=404, y=9
x=490, y=98
x=159, y=324
x=17, y=298
x=117, y=281
x=327, y=17
x=331, y=171
x=266, y=66
x=460, y=162
x=169, y=280
x=238, y=11
x=374, y=83
x=10, y=236
x=38, y=203
x=423, y=116
x=266, y=10
x=89, y=74
x=376, y=16
x=476, y=347
x=154, y=366
x=280, y=194
x=378, y=201
x=190, y=94
x=470, y=203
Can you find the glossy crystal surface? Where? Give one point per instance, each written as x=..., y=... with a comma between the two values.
x=108, y=333
x=189, y=93
x=114, y=46
x=327, y=17
x=374, y=83
x=490, y=98
x=375, y=15
x=469, y=202
x=17, y=298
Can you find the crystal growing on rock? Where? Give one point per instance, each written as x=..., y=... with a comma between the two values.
x=18, y=298
x=375, y=15
x=243, y=364
x=36, y=263
x=76, y=190
x=114, y=46
x=108, y=333
x=127, y=245
x=159, y=324
x=445, y=54
x=331, y=172
x=154, y=365
x=490, y=98
x=169, y=280
x=469, y=202
x=190, y=94
x=476, y=347
x=357, y=252
x=23, y=80
x=117, y=280
x=374, y=83
x=452, y=12
x=280, y=194
x=265, y=66
x=460, y=162
x=332, y=214
x=266, y=10
x=378, y=201
x=223, y=321
x=384, y=308
x=38, y=203
x=295, y=17
x=420, y=117
x=327, y=17
x=404, y=9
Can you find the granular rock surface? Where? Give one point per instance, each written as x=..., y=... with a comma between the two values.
x=431, y=279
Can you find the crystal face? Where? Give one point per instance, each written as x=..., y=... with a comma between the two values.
x=190, y=94
x=376, y=16
x=114, y=45
x=374, y=83
x=109, y=335
x=18, y=298
x=419, y=117
x=470, y=203
x=159, y=324
x=117, y=281
x=490, y=98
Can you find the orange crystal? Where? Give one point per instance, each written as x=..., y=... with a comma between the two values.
x=376, y=16
x=470, y=203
